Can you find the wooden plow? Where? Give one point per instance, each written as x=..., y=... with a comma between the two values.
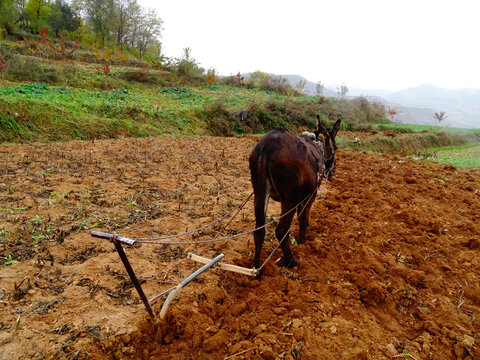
x=118, y=241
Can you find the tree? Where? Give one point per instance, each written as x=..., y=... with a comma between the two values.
x=342, y=90
x=257, y=78
x=37, y=12
x=300, y=85
x=148, y=32
x=210, y=77
x=20, y=6
x=127, y=13
x=8, y=15
x=188, y=66
x=100, y=15
x=62, y=17
x=440, y=116
x=320, y=88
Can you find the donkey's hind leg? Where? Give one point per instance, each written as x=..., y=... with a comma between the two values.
x=282, y=232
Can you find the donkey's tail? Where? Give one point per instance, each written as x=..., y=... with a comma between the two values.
x=260, y=182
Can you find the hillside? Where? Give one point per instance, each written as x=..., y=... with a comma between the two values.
x=87, y=97
x=90, y=94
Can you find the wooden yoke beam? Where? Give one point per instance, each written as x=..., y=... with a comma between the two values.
x=228, y=267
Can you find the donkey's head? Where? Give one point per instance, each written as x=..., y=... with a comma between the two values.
x=327, y=137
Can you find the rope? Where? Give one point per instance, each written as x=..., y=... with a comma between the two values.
x=144, y=240
x=154, y=242
x=213, y=240
x=229, y=237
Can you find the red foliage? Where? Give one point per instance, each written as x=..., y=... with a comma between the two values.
x=43, y=34
x=106, y=69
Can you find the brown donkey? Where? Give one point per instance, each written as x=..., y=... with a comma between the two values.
x=289, y=169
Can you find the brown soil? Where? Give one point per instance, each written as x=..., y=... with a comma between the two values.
x=391, y=266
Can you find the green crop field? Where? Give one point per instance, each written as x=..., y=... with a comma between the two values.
x=462, y=156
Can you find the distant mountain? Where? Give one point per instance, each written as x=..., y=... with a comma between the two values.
x=417, y=105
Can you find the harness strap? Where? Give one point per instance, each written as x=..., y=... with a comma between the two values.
x=321, y=168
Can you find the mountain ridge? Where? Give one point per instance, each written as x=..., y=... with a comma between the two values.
x=417, y=105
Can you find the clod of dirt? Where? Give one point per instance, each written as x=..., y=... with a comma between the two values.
x=216, y=342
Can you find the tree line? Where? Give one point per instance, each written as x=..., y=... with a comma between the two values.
x=106, y=23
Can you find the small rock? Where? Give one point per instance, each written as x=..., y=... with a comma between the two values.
x=5, y=339
x=268, y=338
x=128, y=350
x=299, y=334
x=239, y=309
x=216, y=342
x=126, y=339
x=468, y=342
x=296, y=323
x=333, y=329
x=279, y=311
x=390, y=349
x=259, y=329
x=296, y=313
x=426, y=348
x=267, y=353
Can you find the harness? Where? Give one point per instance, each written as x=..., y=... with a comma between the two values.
x=320, y=161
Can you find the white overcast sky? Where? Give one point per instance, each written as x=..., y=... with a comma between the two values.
x=372, y=44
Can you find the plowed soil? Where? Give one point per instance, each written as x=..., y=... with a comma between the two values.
x=391, y=267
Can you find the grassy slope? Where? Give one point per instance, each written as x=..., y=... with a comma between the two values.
x=82, y=103
x=459, y=156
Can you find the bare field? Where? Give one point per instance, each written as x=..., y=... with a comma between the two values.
x=391, y=267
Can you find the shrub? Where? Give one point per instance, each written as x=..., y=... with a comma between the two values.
x=141, y=76
x=219, y=121
x=228, y=81
x=27, y=68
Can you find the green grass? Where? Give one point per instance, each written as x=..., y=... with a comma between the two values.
x=412, y=128
x=43, y=112
x=459, y=156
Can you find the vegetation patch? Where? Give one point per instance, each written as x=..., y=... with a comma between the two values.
x=458, y=156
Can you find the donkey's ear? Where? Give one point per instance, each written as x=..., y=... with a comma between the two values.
x=335, y=128
x=321, y=128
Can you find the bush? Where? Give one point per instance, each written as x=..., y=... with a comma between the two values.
x=141, y=75
x=27, y=68
x=219, y=121
x=265, y=82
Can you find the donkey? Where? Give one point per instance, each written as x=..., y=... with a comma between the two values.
x=289, y=169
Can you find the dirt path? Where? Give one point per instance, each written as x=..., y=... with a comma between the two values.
x=391, y=265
